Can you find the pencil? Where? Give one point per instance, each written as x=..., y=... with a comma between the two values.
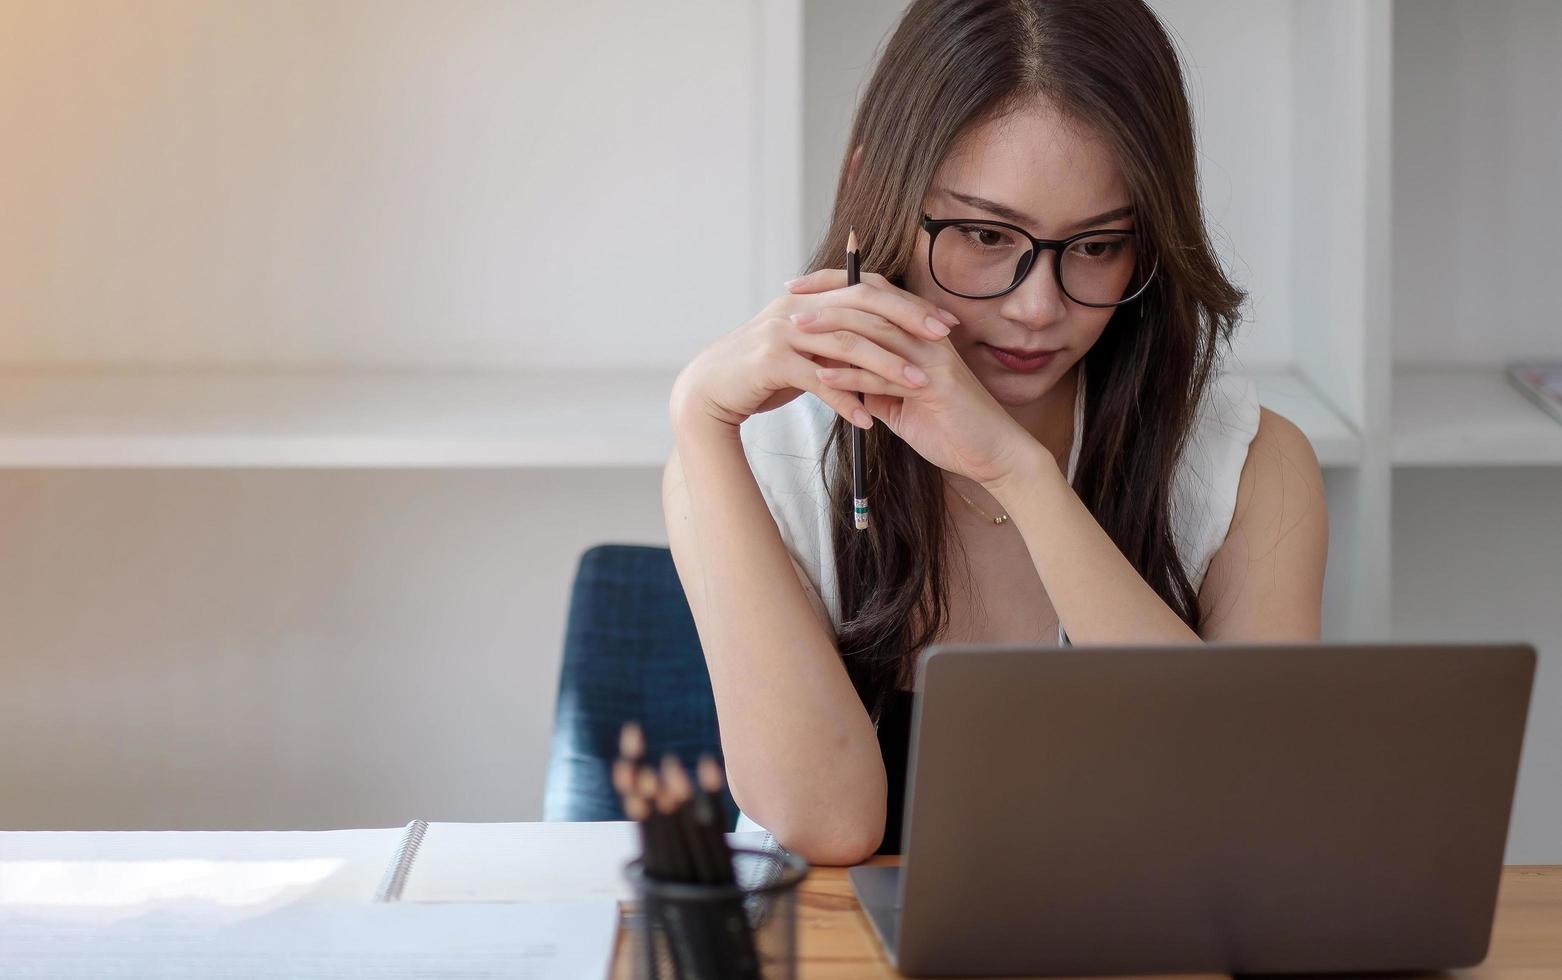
x=631, y=746
x=679, y=793
x=859, y=440
x=737, y=951
x=662, y=830
x=707, y=813
x=637, y=788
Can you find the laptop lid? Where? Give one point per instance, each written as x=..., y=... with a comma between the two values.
x=1277, y=808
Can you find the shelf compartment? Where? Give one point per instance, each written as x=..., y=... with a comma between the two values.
x=1469, y=416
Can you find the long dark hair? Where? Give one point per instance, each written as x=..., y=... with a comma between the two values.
x=949, y=66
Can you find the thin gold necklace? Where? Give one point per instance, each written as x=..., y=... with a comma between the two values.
x=1000, y=519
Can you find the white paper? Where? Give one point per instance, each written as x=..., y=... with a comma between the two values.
x=132, y=870
x=528, y=862
x=522, y=862
x=385, y=941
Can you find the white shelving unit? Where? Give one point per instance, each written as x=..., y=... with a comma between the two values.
x=397, y=420
x=334, y=420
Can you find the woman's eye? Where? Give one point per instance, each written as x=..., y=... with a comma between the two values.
x=1099, y=250
x=984, y=237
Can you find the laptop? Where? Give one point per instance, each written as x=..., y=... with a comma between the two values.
x=1223, y=808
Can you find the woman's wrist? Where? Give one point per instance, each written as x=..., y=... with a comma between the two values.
x=1032, y=466
x=690, y=415
x=695, y=426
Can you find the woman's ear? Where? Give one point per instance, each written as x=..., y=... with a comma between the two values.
x=851, y=165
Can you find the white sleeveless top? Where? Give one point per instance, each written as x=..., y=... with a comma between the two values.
x=785, y=448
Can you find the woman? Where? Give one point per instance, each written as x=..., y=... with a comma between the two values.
x=1053, y=452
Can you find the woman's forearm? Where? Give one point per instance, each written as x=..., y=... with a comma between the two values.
x=1098, y=594
x=801, y=753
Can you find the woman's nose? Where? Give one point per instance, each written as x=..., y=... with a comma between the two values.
x=1038, y=300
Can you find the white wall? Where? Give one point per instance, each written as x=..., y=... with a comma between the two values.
x=841, y=43
x=1241, y=94
x=376, y=182
x=248, y=649
x=1478, y=155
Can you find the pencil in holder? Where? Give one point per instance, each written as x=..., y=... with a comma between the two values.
x=741, y=930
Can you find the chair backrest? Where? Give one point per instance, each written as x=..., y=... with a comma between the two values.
x=631, y=653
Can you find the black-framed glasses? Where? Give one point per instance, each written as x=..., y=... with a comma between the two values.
x=980, y=259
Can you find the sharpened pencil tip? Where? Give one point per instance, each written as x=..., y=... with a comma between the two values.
x=624, y=777
x=709, y=773
x=851, y=240
x=631, y=741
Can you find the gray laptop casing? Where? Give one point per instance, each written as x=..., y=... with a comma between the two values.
x=1239, y=809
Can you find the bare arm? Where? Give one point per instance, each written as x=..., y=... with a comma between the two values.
x=1265, y=582
x=802, y=756
x=801, y=753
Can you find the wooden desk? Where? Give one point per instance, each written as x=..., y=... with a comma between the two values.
x=836, y=943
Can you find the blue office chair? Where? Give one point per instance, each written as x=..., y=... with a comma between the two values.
x=630, y=653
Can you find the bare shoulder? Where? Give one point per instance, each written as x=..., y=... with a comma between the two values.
x=1266, y=581
x=1281, y=472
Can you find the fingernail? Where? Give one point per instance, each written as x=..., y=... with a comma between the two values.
x=915, y=375
x=802, y=318
x=949, y=317
x=937, y=326
x=792, y=282
x=863, y=419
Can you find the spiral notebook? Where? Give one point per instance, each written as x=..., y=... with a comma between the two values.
x=492, y=901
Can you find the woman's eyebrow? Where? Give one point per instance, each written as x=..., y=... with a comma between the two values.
x=1020, y=218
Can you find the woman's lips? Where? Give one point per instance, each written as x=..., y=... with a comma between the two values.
x=1022, y=361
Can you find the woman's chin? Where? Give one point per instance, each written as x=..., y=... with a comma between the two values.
x=1013, y=391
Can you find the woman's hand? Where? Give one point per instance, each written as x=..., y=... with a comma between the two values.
x=952, y=421
x=773, y=358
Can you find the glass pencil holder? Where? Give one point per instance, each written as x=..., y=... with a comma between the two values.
x=745, y=930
